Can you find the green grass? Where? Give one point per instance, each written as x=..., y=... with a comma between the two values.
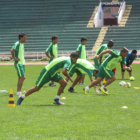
x=83, y=117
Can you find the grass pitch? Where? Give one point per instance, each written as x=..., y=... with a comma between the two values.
x=83, y=117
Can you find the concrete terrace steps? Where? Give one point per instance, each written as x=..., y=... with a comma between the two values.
x=129, y=35
x=44, y=18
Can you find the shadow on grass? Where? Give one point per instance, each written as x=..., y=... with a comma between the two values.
x=45, y=105
x=123, y=80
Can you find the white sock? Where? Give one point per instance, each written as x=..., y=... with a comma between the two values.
x=18, y=92
x=102, y=86
x=57, y=97
x=23, y=96
x=87, y=88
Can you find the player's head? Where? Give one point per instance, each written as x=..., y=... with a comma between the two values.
x=83, y=41
x=110, y=44
x=54, y=39
x=134, y=53
x=95, y=72
x=22, y=37
x=74, y=56
x=124, y=52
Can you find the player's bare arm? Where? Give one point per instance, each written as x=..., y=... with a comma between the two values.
x=64, y=71
x=47, y=54
x=102, y=53
x=13, y=56
x=126, y=68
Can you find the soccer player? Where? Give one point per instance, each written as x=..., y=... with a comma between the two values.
x=129, y=60
x=50, y=72
x=17, y=53
x=103, y=47
x=52, y=52
x=105, y=69
x=81, y=50
x=82, y=67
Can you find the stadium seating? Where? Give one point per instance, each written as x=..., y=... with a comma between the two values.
x=42, y=19
x=65, y=18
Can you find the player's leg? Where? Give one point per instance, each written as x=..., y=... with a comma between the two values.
x=43, y=78
x=110, y=78
x=32, y=90
x=51, y=84
x=81, y=82
x=63, y=83
x=93, y=83
x=109, y=81
x=79, y=75
x=129, y=71
x=20, y=83
x=100, y=75
x=18, y=91
x=21, y=77
x=122, y=71
x=71, y=89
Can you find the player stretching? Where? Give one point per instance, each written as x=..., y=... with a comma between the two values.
x=103, y=47
x=81, y=50
x=17, y=53
x=52, y=52
x=105, y=69
x=50, y=72
x=82, y=67
x=129, y=60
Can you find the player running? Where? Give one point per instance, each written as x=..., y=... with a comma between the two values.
x=82, y=67
x=129, y=60
x=52, y=52
x=81, y=50
x=105, y=69
x=50, y=72
x=103, y=47
x=17, y=53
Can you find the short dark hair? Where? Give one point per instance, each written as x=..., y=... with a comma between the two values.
x=96, y=70
x=74, y=55
x=54, y=37
x=124, y=50
x=134, y=51
x=83, y=39
x=21, y=35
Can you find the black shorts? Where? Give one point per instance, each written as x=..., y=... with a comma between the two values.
x=127, y=66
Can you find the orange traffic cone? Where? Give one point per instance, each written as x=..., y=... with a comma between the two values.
x=11, y=99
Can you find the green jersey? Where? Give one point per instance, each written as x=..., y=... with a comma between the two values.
x=81, y=51
x=58, y=64
x=52, y=50
x=84, y=66
x=102, y=48
x=112, y=60
x=19, y=52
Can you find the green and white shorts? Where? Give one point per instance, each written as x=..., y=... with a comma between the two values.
x=104, y=73
x=20, y=69
x=45, y=77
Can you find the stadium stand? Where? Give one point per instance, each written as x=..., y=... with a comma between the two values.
x=129, y=35
x=42, y=19
x=67, y=19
